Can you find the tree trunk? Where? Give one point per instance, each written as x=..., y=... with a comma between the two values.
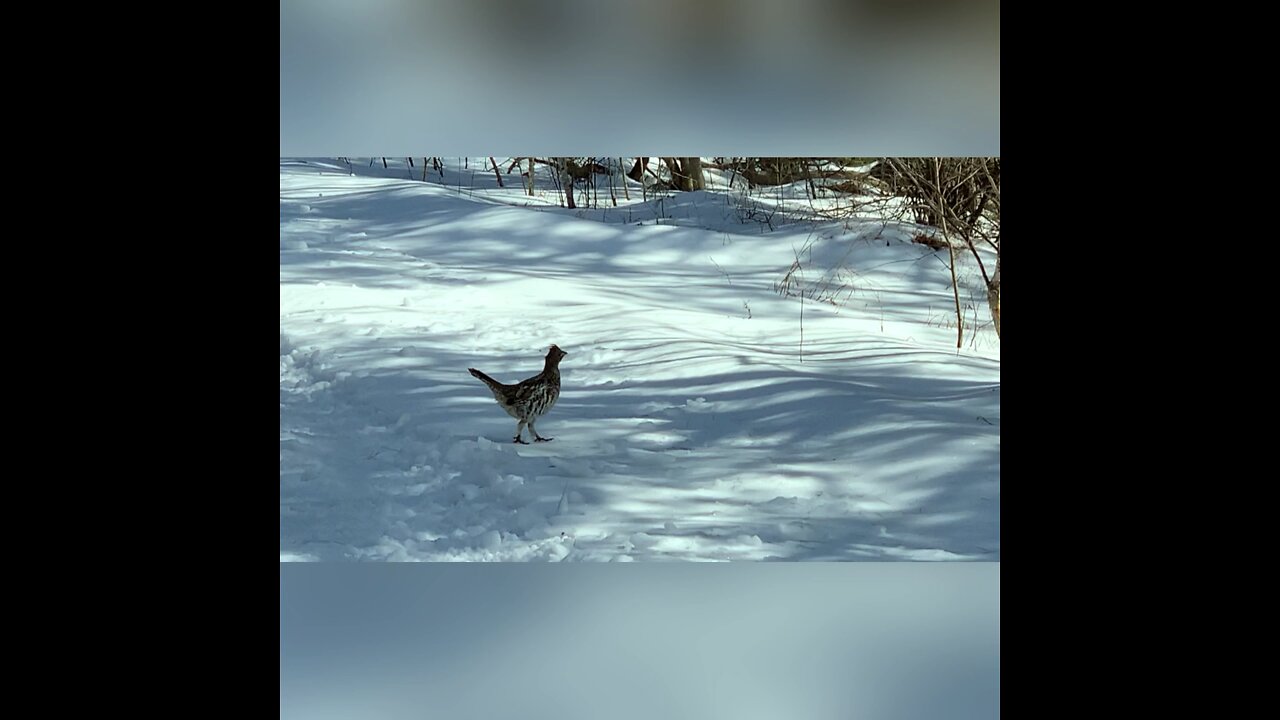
x=563, y=166
x=691, y=167
x=677, y=175
x=495, y=171
x=993, y=296
x=637, y=171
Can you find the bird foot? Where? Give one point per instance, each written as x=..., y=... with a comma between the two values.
x=543, y=439
x=518, y=440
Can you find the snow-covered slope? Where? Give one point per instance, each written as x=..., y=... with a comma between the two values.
x=692, y=425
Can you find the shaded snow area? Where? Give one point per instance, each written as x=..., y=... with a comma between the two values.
x=693, y=423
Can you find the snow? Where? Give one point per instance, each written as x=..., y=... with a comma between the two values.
x=693, y=424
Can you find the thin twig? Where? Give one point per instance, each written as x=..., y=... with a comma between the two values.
x=722, y=272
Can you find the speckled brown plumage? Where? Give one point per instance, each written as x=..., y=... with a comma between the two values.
x=528, y=400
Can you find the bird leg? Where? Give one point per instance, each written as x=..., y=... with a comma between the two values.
x=536, y=436
x=520, y=431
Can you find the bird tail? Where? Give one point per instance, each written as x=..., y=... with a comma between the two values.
x=485, y=378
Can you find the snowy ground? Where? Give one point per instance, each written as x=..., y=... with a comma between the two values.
x=690, y=427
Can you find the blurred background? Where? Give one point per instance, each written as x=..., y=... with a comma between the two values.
x=640, y=640
x=803, y=77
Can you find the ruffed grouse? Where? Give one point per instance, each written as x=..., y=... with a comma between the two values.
x=528, y=400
